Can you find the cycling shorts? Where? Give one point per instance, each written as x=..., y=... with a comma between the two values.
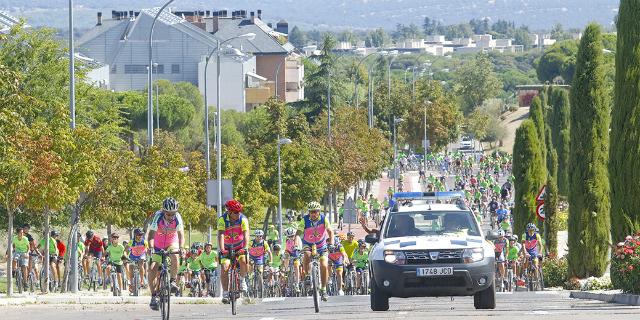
x=116, y=267
x=257, y=260
x=95, y=254
x=359, y=270
x=22, y=257
x=322, y=251
x=500, y=257
x=158, y=258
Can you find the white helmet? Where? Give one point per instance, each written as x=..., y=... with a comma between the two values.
x=258, y=233
x=290, y=232
x=500, y=233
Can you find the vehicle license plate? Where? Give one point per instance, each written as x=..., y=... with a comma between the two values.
x=431, y=272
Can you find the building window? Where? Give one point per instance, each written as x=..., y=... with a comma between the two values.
x=135, y=69
x=175, y=68
x=114, y=69
x=158, y=69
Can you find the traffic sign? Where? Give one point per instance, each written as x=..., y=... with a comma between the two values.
x=350, y=212
x=541, y=194
x=212, y=191
x=540, y=211
x=426, y=143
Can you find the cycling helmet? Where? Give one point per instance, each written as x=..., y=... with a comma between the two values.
x=501, y=233
x=290, y=232
x=513, y=238
x=258, y=233
x=314, y=206
x=361, y=242
x=105, y=240
x=336, y=240
x=194, y=251
x=199, y=245
x=351, y=234
x=54, y=233
x=531, y=226
x=276, y=247
x=138, y=232
x=89, y=234
x=170, y=204
x=233, y=205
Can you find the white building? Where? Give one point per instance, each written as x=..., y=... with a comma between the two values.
x=236, y=72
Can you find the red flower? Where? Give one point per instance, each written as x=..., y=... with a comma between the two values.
x=630, y=267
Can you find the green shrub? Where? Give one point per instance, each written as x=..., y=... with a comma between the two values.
x=625, y=265
x=563, y=218
x=555, y=271
x=594, y=284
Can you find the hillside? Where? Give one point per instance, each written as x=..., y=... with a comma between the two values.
x=511, y=123
x=334, y=14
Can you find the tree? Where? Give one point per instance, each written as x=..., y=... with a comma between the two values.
x=624, y=171
x=476, y=82
x=536, y=114
x=559, y=124
x=589, y=205
x=522, y=37
x=558, y=61
x=551, y=206
x=430, y=26
x=528, y=170
x=297, y=38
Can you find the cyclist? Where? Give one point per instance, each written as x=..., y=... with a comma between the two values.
x=33, y=252
x=166, y=232
x=272, y=235
x=339, y=258
x=209, y=260
x=293, y=247
x=21, y=254
x=375, y=207
x=316, y=230
x=513, y=253
x=275, y=262
x=350, y=245
x=503, y=217
x=532, y=243
x=360, y=260
x=53, y=254
x=258, y=249
x=195, y=266
x=94, y=250
x=500, y=246
x=233, y=234
x=115, y=253
x=62, y=249
x=138, y=255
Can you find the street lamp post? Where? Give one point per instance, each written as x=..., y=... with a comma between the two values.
x=424, y=160
x=155, y=65
x=395, y=153
x=280, y=143
x=276, y=78
x=150, y=78
x=355, y=81
x=249, y=36
x=73, y=280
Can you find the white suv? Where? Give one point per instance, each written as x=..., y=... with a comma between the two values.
x=427, y=247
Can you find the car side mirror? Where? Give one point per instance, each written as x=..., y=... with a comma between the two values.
x=371, y=239
x=491, y=236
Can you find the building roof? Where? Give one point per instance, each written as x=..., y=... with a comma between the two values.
x=265, y=41
x=7, y=21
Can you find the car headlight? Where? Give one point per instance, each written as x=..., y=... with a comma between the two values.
x=473, y=255
x=395, y=257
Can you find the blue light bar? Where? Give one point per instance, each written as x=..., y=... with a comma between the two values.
x=444, y=195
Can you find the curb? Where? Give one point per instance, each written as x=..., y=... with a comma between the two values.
x=621, y=298
x=81, y=300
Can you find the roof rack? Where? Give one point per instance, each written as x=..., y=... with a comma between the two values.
x=429, y=197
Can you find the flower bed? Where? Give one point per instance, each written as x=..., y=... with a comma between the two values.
x=625, y=265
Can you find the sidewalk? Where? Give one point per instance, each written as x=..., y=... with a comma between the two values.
x=612, y=296
x=95, y=299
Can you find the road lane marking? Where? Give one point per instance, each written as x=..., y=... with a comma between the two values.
x=273, y=299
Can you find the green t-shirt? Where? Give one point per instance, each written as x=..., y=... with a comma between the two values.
x=183, y=266
x=53, y=249
x=209, y=261
x=115, y=253
x=360, y=259
x=194, y=263
x=272, y=234
x=22, y=246
x=81, y=248
x=512, y=253
x=276, y=260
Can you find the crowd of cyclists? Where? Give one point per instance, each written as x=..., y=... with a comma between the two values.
x=269, y=266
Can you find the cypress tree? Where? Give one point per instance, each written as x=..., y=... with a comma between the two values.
x=559, y=123
x=589, y=224
x=536, y=114
x=528, y=170
x=624, y=167
x=551, y=206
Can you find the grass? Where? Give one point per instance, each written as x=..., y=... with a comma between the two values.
x=3, y=285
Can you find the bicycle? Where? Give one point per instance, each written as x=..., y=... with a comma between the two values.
x=500, y=280
x=93, y=275
x=113, y=277
x=136, y=280
x=257, y=283
x=18, y=274
x=164, y=285
x=51, y=277
x=196, y=285
x=332, y=286
x=293, y=287
x=364, y=281
x=234, y=279
x=534, y=276
x=32, y=280
x=212, y=285
x=315, y=277
x=350, y=281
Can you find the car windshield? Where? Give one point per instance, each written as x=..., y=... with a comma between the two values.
x=406, y=224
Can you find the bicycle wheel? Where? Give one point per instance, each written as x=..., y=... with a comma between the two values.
x=19, y=281
x=315, y=277
x=165, y=295
x=540, y=278
x=233, y=288
x=32, y=282
x=364, y=285
x=136, y=283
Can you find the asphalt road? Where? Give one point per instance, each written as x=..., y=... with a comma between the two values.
x=548, y=306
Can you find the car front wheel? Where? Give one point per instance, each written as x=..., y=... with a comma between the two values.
x=379, y=300
x=485, y=299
